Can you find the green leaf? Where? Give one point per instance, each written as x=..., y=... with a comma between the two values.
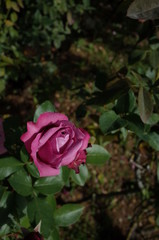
x=154, y=59
x=145, y=104
x=144, y=9
x=82, y=176
x=20, y=2
x=14, y=17
x=8, y=4
x=39, y=210
x=126, y=103
x=32, y=169
x=24, y=222
x=44, y=107
x=51, y=200
x=3, y=197
x=8, y=165
x=49, y=185
x=67, y=214
x=65, y=173
x=15, y=6
x=107, y=120
x=24, y=155
x=97, y=155
x=21, y=182
x=2, y=85
x=154, y=118
x=135, y=124
x=54, y=235
x=153, y=139
x=4, y=230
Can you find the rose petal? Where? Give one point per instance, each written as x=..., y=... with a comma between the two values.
x=44, y=120
x=44, y=169
x=71, y=153
x=48, y=155
x=61, y=141
x=46, y=136
x=85, y=139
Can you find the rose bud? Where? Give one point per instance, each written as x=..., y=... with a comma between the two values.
x=53, y=141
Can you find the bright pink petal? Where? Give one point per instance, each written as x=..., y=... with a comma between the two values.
x=44, y=120
x=46, y=170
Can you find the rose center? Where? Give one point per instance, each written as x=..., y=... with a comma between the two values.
x=61, y=141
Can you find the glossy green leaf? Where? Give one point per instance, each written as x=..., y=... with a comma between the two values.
x=145, y=104
x=144, y=9
x=44, y=107
x=81, y=177
x=97, y=155
x=21, y=182
x=9, y=165
x=49, y=185
x=67, y=214
x=107, y=120
x=39, y=210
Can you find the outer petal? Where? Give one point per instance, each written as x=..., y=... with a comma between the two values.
x=44, y=169
x=44, y=120
x=85, y=139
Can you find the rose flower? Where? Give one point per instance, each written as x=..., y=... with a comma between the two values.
x=53, y=141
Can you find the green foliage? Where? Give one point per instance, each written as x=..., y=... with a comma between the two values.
x=143, y=9
x=97, y=155
x=50, y=23
x=49, y=185
x=8, y=165
x=145, y=104
x=80, y=178
x=21, y=182
x=44, y=107
x=39, y=210
x=67, y=214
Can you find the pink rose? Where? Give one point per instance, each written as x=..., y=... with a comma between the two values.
x=53, y=142
x=2, y=138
